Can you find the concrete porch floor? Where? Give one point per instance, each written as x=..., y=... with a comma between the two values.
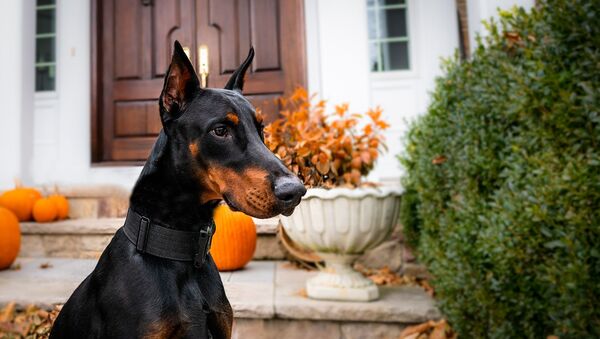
x=267, y=298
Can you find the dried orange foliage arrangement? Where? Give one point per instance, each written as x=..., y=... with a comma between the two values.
x=326, y=150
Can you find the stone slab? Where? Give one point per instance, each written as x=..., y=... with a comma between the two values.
x=94, y=191
x=402, y=304
x=251, y=290
x=43, y=286
x=80, y=208
x=301, y=329
x=268, y=247
x=106, y=226
x=87, y=238
x=264, y=290
x=266, y=226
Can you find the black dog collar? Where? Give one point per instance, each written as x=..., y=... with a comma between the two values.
x=163, y=242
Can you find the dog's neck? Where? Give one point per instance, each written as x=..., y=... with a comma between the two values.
x=167, y=195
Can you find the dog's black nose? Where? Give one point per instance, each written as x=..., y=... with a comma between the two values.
x=289, y=189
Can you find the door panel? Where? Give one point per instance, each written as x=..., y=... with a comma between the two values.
x=128, y=27
x=132, y=47
x=136, y=118
x=265, y=34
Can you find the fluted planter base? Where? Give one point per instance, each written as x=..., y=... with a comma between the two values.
x=339, y=281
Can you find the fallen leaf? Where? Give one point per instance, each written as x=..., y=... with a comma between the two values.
x=440, y=159
x=439, y=331
x=302, y=293
x=8, y=312
x=45, y=265
x=416, y=329
x=427, y=287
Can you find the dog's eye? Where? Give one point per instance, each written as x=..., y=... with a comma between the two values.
x=220, y=132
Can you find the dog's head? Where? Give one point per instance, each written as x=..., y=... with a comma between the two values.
x=218, y=136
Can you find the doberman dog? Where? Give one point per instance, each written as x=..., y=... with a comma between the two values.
x=211, y=148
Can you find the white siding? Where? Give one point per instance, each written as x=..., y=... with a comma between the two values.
x=340, y=60
x=16, y=90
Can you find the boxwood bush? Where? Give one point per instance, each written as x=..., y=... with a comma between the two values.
x=503, y=173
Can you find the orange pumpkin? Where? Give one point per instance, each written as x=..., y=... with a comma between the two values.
x=10, y=237
x=234, y=242
x=62, y=205
x=20, y=201
x=45, y=210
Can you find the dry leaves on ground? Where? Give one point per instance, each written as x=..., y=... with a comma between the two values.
x=30, y=323
x=386, y=277
x=429, y=330
x=45, y=265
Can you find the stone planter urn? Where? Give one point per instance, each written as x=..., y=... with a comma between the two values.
x=340, y=224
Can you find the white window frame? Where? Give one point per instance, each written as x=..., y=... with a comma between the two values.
x=412, y=43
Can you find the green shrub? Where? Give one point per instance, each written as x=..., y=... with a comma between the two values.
x=409, y=217
x=505, y=167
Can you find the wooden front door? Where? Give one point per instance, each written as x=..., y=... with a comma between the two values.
x=132, y=45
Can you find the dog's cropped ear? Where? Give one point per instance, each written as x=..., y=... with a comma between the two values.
x=181, y=84
x=236, y=82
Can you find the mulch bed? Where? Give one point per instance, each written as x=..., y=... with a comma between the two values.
x=30, y=323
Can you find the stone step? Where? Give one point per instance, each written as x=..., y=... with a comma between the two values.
x=267, y=297
x=92, y=201
x=87, y=238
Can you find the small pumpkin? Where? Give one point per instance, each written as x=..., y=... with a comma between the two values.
x=20, y=201
x=45, y=210
x=62, y=205
x=10, y=237
x=234, y=242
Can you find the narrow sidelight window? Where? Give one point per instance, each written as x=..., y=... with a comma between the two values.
x=45, y=46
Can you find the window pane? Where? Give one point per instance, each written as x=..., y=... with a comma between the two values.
x=372, y=24
x=45, y=21
x=385, y=2
x=45, y=2
x=44, y=50
x=394, y=55
x=392, y=23
x=44, y=78
x=392, y=2
x=374, y=56
x=372, y=3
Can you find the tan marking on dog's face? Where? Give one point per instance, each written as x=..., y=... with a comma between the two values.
x=233, y=118
x=193, y=147
x=210, y=190
x=249, y=191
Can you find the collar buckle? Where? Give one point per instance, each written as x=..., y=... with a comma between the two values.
x=204, y=243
